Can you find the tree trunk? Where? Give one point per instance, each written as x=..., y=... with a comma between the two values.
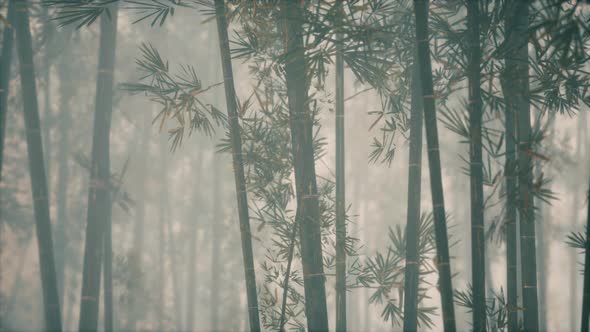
x=174, y=276
x=301, y=123
x=517, y=69
x=511, y=221
x=99, y=195
x=191, y=282
x=586, y=294
x=238, y=167
x=340, y=187
x=66, y=92
x=136, y=305
x=163, y=216
x=5, y=66
x=108, y=277
x=440, y=224
x=216, y=238
x=476, y=170
x=412, y=272
x=37, y=168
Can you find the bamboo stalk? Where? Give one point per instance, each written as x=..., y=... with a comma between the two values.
x=340, y=188
x=476, y=170
x=238, y=167
x=5, y=66
x=301, y=124
x=412, y=271
x=51, y=304
x=440, y=224
x=586, y=295
x=99, y=196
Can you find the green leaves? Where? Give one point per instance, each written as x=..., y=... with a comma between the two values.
x=85, y=12
x=384, y=273
x=179, y=94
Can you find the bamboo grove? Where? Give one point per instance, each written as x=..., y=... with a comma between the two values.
x=287, y=165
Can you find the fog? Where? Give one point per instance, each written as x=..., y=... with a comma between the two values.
x=177, y=248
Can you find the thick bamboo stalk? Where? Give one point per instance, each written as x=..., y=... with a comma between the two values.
x=51, y=304
x=517, y=71
x=238, y=167
x=301, y=123
x=99, y=196
x=438, y=205
x=476, y=170
x=412, y=272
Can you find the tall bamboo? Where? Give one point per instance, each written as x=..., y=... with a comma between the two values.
x=66, y=88
x=37, y=167
x=476, y=169
x=412, y=272
x=586, y=295
x=517, y=71
x=340, y=188
x=99, y=196
x=510, y=217
x=238, y=166
x=5, y=65
x=301, y=124
x=436, y=187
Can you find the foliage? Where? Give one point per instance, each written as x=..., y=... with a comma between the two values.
x=179, y=95
x=384, y=273
x=496, y=308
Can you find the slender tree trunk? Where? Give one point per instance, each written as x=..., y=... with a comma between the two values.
x=301, y=123
x=191, y=281
x=66, y=92
x=174, y=276
x=340, y=188
x=238, y=167
x=586, y=294
x=108, y=276
x=517, y=21
x=136, y=305
x=412, y=272
x=5, y=66
x=163, y=216
x=99, y=195
x=440, y=224
x=574, y=271
x=216, y=225
x=37, y=169
x=511, y=221
x=476, y=170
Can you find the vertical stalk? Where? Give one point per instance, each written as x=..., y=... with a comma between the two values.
x=301, y=123
x=99, y=196
x=340, y=188
x=37, y=168
x=412, y=271
x=5, y=65
x=517, y=68
x=476, y=170
x=511, y=221
x=108, y=277
x=66, y=92
x=238, y=166
x=216, y=224
x=191, y=292
x=438, y=205
x=163, y=215
x=174, y=276
x=586, y=294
